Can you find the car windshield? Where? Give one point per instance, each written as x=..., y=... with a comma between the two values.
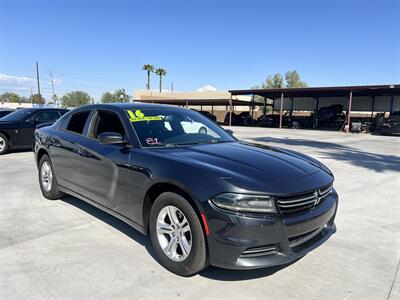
x=18, y=115
x=175, y=127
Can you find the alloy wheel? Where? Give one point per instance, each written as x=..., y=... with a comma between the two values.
x=174, y=233
x=46, y=176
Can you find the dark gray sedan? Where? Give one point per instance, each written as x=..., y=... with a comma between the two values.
x=203, y=196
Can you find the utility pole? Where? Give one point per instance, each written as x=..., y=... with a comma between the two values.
x=172, y=87
x=52, y=84
x=37, y=78
x=52, y=90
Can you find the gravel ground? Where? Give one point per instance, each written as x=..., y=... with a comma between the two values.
x=69, y=249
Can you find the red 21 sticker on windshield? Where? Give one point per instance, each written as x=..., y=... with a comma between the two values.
x=152, y=141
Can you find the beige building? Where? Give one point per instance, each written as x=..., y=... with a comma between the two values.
x=216, y=102
x=4, y=105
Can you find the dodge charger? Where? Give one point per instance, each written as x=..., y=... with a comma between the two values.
x=203, y=196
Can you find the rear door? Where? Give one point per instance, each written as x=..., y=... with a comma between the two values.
x=103, y=170
x=65, y=149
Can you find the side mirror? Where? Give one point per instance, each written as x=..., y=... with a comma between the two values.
x=31, y=121
x=40, y=125
x=111, y=138
x=230, y=132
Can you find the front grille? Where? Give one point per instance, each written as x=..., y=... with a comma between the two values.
x=304, y=202
x=301, y=239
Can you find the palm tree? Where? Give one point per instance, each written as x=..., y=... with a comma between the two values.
x=161, y=72
x=149, y=69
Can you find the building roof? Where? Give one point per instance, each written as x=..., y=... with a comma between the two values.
x=362, y=90
x=205, y=102
x=206, y=98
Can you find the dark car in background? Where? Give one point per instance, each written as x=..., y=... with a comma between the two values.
x=203, y=196
x=207, y=114
x=17, y=128
x=5, y=112
x=330, y=116
x=390, y=126
x=243, y=118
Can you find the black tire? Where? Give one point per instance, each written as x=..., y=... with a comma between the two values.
x=54, y=193
x=6, y=146
x=197, y=258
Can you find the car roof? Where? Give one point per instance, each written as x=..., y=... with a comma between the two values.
x=42, y=108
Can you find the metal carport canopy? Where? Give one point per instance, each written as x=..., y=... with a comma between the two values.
x=317, y=92
x=362, y=90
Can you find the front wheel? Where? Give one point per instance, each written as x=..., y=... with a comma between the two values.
x=177, y=235
x=48, y=180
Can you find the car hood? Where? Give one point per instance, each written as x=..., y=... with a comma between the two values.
x=253, y=165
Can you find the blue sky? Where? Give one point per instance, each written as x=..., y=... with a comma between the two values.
x=99, y=46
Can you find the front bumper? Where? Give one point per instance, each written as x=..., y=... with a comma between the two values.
x=246, y=242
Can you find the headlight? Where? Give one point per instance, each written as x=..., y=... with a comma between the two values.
x=245, y=203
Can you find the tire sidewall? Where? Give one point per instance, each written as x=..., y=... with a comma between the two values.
x=5, y=150
x=197, y=259
x=54, y=192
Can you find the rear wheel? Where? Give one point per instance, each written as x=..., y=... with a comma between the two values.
x=177, y=235
x=48, y=180
x=4, y=144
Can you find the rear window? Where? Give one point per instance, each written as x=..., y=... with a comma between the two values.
x=77, y=122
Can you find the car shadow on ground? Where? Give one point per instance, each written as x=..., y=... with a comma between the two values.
x=211, y=272
x=112, y=221
x=356, y=157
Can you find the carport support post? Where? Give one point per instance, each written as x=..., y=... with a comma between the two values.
x=349, y=112
x=372, y=106
x=315, y=121
x=265, y=107
x=230, y=110
x=281, y=112
x=252, y=107
x=291, y=107
x=392, y=104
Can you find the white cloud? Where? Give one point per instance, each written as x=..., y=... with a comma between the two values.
x=206, y=88
x=15, y=80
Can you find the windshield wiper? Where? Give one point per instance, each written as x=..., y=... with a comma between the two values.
x=192, y=143
x=198, y=143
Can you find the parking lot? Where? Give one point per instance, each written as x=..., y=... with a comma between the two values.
x=69, y=249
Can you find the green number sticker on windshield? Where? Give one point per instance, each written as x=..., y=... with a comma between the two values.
x=138, y=115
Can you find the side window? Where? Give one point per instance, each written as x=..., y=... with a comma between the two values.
x=78, y=121
x=45, y=116
x=106, y=121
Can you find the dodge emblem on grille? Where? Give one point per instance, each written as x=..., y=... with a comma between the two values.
x=317, y=198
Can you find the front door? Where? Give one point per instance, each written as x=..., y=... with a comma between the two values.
x=29, y=125
x=103, y=170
